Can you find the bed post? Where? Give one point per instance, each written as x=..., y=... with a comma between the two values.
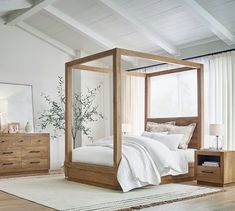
x=200, y=87
x=146, y=99
x=68, y=117
x=117, y=143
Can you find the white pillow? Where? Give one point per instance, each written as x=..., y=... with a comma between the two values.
x=150, y=134
x=171, y=141
x=158, y=127
x=186, y=130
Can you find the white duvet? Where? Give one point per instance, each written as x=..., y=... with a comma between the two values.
x=144, y=161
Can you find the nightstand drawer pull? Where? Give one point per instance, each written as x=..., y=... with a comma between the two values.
x=21, y=141
x=7, y=153
x=3, y=141
x=34, y=151
x=208, y=172
x=7, y=164
x=34, y=162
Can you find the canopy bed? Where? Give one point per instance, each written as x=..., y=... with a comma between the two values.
x=106, y=175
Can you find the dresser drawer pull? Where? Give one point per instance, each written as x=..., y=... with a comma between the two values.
x=3, y=141
x=7, y=153
x=7, y=164
x=21, y=141
x=39, y=140
x=34, y=151
x=34, y=162
x=208, y=172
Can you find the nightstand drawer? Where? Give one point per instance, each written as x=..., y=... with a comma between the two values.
x=209, y=174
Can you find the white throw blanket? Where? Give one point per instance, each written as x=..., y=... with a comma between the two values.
x=144, y=161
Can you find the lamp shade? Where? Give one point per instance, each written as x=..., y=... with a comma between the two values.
x=3, y=106
x=126, y=128
x=216, y=129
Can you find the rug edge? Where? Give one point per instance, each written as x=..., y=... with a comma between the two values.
x=171, y=201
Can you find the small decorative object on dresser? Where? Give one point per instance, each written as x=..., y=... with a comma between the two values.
x=22, y=153
x=14, y=127
x=215, y=167
x=28, y=128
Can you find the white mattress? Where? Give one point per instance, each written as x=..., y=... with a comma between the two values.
x=104, y=156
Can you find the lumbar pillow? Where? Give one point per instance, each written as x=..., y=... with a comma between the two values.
x=158, y=127
x=171, y=141
x=186, y=130
x=150, y=134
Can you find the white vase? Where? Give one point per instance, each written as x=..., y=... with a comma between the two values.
x=28, y=128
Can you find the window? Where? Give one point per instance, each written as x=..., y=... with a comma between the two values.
x=174, y=95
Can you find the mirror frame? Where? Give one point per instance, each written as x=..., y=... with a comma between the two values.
x=32, y=104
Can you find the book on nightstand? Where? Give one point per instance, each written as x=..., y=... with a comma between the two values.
x=210, y=163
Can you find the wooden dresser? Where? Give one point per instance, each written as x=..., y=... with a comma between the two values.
x=22, y=153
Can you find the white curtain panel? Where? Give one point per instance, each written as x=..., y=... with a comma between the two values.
x=220, y=95
x=219, y=75
x=133, y=103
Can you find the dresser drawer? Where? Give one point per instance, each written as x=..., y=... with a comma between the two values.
x=10, y=166
x=39, y=141
x=21, y=141
x=5, y=142
x=34, y=164
x=6, y=153
x=209, y=174
x=34, y=152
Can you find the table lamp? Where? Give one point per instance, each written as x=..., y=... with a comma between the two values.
x=216, y=130
x=126, y=128
x=3, y=110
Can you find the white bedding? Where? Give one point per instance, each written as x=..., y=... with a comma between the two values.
x=104, y=156
x=144, y=160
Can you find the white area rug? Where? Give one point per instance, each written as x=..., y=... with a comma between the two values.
x=60, y=194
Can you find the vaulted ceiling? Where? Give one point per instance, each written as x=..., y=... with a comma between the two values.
x=156, y=26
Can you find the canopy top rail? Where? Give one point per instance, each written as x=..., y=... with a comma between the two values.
x=130, y=53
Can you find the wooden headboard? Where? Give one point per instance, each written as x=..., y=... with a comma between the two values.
x=197, y=139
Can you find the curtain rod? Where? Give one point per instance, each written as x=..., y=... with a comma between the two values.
x=194, y=57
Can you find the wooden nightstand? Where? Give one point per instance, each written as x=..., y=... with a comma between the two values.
x=211, y=175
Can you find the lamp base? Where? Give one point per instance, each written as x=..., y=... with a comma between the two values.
x=217, y=143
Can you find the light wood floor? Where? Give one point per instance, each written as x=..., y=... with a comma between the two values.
x=224, y=201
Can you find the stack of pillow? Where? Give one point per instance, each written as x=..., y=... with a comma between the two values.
x=173, y=136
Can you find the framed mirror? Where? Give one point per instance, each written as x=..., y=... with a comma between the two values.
x=16, y=107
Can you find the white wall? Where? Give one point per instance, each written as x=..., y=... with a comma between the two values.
x=102, y=127
x=28, y=60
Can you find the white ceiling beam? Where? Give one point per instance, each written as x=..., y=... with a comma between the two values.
x=55, y=43
x=8, y=5
x=211, y=22
x=148, y=33
x=20, y=15
x=81, y=28
x=77, y=26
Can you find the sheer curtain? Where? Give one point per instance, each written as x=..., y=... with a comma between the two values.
x=133, y=103
x=219, y=74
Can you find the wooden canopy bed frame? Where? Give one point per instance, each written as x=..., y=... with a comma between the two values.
x=105, y=176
